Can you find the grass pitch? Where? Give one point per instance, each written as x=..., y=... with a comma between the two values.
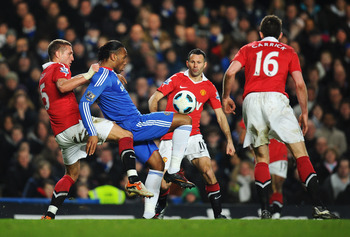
x=176, y=228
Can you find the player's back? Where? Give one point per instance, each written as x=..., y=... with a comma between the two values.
x=62, y=108
x=267, y=64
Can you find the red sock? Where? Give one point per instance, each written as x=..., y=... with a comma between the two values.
x=126, y=143
x=210, y=188
x=164, y=193
x=262, y=173
x=64, y=184
x=276, y=197
x=305, y=168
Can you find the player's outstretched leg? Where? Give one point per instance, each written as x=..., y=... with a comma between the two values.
x=162, y=203
x=128, y=157
x=61, y=189
x=182, y=127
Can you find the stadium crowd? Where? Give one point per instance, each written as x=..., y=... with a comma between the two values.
x=158, y=34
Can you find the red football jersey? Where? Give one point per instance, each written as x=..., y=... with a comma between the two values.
x=277, y=150
x=62, y=108
x=203, y=90
x=267, y=64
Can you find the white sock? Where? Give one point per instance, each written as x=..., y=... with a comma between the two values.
x=180, y=140
x=153, y=182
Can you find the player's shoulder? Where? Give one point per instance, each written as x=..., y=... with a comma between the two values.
x=101, y=75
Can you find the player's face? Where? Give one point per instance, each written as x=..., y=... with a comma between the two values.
x=196, y=65
x=121, y=61
x=66, y=55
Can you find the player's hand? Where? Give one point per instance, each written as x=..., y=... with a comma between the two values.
x=230, y=148
x=91, y=145
x=122, y=79
x=92, y=70
x=303, y=118
x=229, y=106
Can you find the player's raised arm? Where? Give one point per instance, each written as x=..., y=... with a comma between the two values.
x=225, y=128
x=64, y=85
x=153, y=101
x=228, y=104
x=94, y=90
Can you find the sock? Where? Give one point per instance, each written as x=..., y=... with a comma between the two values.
x=214, y=195
x=127, y=155
x=153, y=183
x=263, y=183
x=276, y=202
x=180, y=139
x=163, y=198
x=308, y=177
x=59, y=194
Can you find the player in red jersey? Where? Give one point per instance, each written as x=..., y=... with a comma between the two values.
x=266, y=110
x=278, y=167
x=56, y=89
x=194, y=81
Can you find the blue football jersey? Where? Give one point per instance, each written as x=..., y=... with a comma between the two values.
x=113, y=99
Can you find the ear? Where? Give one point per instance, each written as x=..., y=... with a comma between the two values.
x=261, y=35
x=280, y=37
x=187, y=63
x=205, y=64
x=113, y=57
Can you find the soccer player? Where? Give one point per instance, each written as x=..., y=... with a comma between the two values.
x=193, y=80
x=266, y=110
x=56, y=89
x=116, y=105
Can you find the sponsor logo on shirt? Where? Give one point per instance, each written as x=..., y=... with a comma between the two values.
x=64, y=70
x=90, y=96
x=217, y=96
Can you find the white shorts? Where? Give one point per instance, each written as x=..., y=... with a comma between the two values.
x=279, y=168
x=196, y=148
x=72, y=141
x=268, y=115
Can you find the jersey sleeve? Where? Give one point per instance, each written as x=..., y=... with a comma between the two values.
x=61, y=71
x=241, y=56
x=294, y=64
x=93, y=91
x=168, y=86
x=214, y=99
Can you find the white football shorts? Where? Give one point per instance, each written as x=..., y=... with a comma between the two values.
x=196, y=148
x=72, y=141
x=279, y=168
x=268, y=115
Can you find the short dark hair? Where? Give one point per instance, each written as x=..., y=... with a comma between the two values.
x=271, y=25
x=56, y=45
x=196, y=51
x=110, y=47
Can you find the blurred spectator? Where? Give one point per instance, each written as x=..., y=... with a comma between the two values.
x=82, y=190
x=337, y=185
x=37, y=138
x=241, y=186
x=115, y=25
x=343, y=122
x=317, y=151
x=18, y=173
x=62, y=24
x=328, y=164
x=35, y=185
x=334, y=136
x=49, y=152
x=191, y=196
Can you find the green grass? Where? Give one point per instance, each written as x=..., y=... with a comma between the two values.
x=176, y=228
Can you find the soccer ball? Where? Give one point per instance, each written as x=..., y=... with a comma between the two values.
x=184, y=102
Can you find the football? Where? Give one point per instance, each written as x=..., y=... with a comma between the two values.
x=184, y=102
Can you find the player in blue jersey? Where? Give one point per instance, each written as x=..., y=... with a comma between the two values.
x=116, y=105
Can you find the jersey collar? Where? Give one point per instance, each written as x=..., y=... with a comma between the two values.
x=204, y=78
x=270, y=39
x=108, y=68
x=46, y=65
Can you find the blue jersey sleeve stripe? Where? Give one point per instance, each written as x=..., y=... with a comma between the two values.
x=87, y=115
x=102, y=78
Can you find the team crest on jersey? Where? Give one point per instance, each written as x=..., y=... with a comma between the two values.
x=90, y=96
x=167, y=81
x=217, y=96
x=167, y=113
x=64, y=70
x=203, y=92
x=165, y=159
